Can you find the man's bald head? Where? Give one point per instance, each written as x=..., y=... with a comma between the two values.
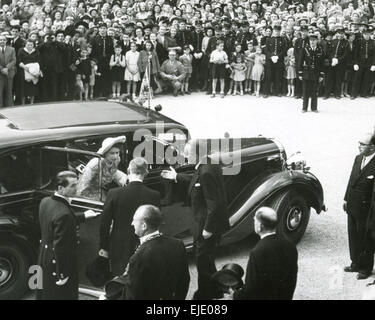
x=267, y=219
x=367, y=144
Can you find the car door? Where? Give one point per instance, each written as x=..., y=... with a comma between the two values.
x=56, y=159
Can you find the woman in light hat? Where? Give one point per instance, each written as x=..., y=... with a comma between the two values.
x=89, y=184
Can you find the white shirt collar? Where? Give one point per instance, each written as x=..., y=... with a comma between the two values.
x=367, y=159
x=267, y=234
x=148, y=236
x=133, y=179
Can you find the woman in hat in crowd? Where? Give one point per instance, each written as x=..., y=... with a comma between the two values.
x=89, y=185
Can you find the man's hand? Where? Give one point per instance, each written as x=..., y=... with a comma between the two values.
x=372, y=69
x=228, y=295
x=103, y=253
x=274, y=59
x=4, y=71
x=300, y=78
x=320, y=79
x=335, y=61
x=61, y=282
x=344, y=205
x=356, y=67
x=169, y=174
x=206, y=234
x=90, y=214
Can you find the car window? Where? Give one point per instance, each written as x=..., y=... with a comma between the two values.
x=18, y=171
x=85, y=165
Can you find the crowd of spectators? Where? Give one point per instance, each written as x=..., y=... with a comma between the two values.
x=83, y=49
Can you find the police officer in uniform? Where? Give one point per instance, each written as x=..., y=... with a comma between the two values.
x=363, y=65
x=275, y=52
x=299, y=45
x=337, y=53
x=310, y=72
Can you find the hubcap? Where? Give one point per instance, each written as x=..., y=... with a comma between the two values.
x=6, y=270
x=294, y=218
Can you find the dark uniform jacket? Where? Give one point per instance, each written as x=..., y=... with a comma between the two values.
x=364, y=53
x=158, y=270
x=207, y=198
x=197, y=38
x=275, y=46
x=359, y=190
x=310, y=63
x=184, y=38
x=102, y=48
x=338, y=49
x=271, y=272
x=119, y=209
x=58, y=249
x=299, y=45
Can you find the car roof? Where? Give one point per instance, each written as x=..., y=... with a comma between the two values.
x=19, y=126
x=68, y=114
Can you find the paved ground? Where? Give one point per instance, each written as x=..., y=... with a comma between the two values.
x=328, y=141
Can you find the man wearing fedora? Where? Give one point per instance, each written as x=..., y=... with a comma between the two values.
x=117, y=238
x=271, y=272
x=159, y=268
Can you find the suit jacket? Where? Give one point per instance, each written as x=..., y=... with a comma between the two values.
x=102, y=48
x=359, y=190
x=158, y=270
x=271, y=272
x=207, y=198
x=8, y=60
x=119, y=209
x=58, y=249
x=18, y=44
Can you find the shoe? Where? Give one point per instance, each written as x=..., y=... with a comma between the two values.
x=213, y=95
x=188, y=92
x=352, y=98
x=315, y=111
x=241, y=93
x=304, y=111
x=221, y=94
x=229, y=92
x=325, y=98
x=158, y=90
x=363, y=275
x=297, y=97
x=175, y=94
x=265, y=96
x=234, y=93
x=182, y=93
x=351, y=268
x=279, y=95
x=338, y=97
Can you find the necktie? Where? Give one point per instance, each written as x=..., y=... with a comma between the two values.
x=337, y=48
x=363, y=163
x=366, y=55
x=103, y=46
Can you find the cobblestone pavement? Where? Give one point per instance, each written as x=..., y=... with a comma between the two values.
x=328, y=140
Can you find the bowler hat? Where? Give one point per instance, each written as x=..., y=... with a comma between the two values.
x=230, y=276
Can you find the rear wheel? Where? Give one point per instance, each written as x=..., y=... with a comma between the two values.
x=293, y=214
x=14, y=264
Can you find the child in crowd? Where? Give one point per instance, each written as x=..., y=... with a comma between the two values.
x=117, y=65
x=249, y=59
x=290, y=70
x=239, y=69
x=132, y=75
x=186, y=59
x=257, y=73
x=83, y=64
x=219, y=60
x=94, y=73
x=237, y=51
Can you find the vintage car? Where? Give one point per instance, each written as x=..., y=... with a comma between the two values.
x=38, y=141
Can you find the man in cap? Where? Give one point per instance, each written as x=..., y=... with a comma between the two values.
x=357, y=202
x=117, y=239
x=102, y=49
x=159, y=268
x=299, y=45
x=275, y=51
x=337, y=53
x=271, y=272
x=310, y=72
x=363, y=65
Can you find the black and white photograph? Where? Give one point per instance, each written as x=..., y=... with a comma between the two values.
x=190, y=152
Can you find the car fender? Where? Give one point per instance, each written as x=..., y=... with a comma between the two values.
x=261, y=190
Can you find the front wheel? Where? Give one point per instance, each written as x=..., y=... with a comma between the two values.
x=293, y=215
x=13, y=271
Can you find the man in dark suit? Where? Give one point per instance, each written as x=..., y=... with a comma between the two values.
x=271, y=272
x=58, y=246
x=310, y=71
x=197, y=75
x=207, y=197
x=159, y=268
x=357, y=202
x=7, y=72
x=119, y=243
x=17, y=43
x=275, y=51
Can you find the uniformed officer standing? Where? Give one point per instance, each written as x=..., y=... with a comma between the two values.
x=299, y=45
x=58, y=248
x=337, y=52
x=310, y=72
x=363, y=65
x=275, y=51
